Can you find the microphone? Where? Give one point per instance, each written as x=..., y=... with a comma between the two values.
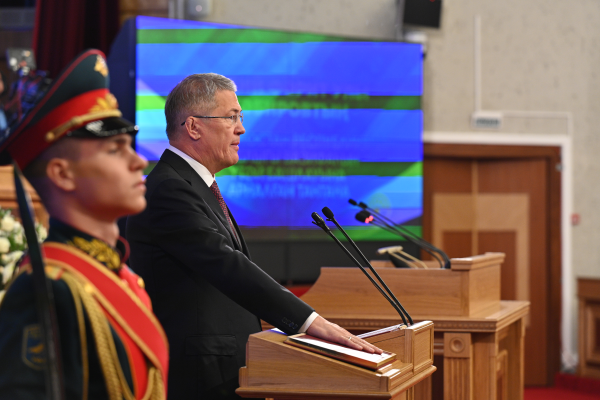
x=400, y=259
x=367, y=218
x=364, y=215
x=425, y=245
x=321, y=224
x=318, y=221
x=364, y=206
x=361, y=204
x=329, y=214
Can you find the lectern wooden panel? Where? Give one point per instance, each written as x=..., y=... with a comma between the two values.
x=470, y=288
x=277, y=370
x=479, y=340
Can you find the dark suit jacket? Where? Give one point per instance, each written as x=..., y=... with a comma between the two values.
x=205, y=290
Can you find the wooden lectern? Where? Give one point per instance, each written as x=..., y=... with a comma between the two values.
x=478, y=341
x=280, y=371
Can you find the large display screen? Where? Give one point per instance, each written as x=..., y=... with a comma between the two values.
x=326, y=118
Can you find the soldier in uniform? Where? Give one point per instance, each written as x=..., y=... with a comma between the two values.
x=75, y=149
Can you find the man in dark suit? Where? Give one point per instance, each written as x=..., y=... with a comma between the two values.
x=205, y=290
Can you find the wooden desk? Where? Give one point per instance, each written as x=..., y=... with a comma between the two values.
x=478, y=357
x=478, y=341
x=588, y=292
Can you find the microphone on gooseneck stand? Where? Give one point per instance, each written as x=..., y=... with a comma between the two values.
x=367, y=211
x=321, y=224
x=329, y=214
x=425, y=245
x=367, y=218
x=385, y=219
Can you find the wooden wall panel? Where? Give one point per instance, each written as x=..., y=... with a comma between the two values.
x=506, y=241
x=458, y=244
x=597, y=338
x=514, y=195
x=441, y=176
x=528, y=176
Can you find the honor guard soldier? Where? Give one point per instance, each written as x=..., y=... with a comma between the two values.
x=75, y=149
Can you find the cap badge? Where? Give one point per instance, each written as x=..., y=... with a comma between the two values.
x=101, y=66
x=109, y=102
x=95, y=126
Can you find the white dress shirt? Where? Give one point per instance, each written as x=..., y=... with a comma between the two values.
x=209, y=178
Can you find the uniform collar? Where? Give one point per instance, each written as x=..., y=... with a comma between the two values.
x=111, y=257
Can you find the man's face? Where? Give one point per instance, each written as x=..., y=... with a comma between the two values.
x=220, y=138
x=108, y=177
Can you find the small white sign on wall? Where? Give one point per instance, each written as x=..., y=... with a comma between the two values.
x=486, y=120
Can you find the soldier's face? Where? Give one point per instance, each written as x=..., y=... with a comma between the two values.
x=108, y=177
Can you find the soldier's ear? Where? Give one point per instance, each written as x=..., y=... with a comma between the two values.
x=59, y=171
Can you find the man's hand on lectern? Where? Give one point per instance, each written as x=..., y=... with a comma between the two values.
x=323, y=329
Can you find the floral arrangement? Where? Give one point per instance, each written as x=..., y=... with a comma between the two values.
x=13, y=244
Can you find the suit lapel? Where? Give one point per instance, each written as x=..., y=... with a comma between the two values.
x=186, y=171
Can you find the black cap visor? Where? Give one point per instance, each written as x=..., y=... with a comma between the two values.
x=103, y=128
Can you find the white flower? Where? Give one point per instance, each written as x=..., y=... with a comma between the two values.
x=7, y=223
x=42, y=233
x=9, y=268
x=18, y=239
x=13, y=257
x=4, y=245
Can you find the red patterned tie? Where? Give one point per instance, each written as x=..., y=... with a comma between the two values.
x=215, y=189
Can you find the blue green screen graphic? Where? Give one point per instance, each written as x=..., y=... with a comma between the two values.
x=327, y=119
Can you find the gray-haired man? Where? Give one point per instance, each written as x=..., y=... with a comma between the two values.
x=205, y=290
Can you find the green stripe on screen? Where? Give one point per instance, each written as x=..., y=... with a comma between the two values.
x=147, y=36
x=152, y=102
x=322, y=168
x=336, y=101
x=317, y=168
x=368, y=234
x=305, y=102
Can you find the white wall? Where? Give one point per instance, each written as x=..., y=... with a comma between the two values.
x=535, y=55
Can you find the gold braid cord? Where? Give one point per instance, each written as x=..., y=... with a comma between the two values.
x=156, y=389
x=116, y=384
x=82, y=334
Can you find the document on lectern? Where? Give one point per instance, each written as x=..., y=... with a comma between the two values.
x=342, y=353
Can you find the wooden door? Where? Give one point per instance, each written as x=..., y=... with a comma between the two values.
x=481, y=198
